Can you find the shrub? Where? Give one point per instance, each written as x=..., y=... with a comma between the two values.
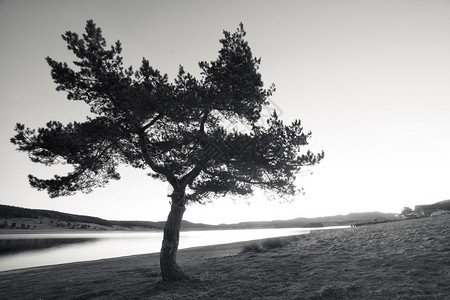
x=252, y=248
x=266, y=245
x=275, y=243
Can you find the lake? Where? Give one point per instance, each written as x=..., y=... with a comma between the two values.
x=59, y=248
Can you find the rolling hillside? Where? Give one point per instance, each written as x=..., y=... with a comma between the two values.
x=59, y=220
x=47, y=219
x=428, y=209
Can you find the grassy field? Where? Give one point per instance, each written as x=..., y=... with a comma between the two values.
x=401, y=260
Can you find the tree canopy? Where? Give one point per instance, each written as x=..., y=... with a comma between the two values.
x=173, y=129
x=406, y=210
x=178, y=130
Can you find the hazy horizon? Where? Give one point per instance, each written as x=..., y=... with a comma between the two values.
x=244, y=221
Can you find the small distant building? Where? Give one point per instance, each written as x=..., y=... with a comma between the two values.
x=440, y=213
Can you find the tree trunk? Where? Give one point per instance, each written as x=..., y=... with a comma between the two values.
x=170, y=270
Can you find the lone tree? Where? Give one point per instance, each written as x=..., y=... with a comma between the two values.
x=176, y=130
x=406, y=211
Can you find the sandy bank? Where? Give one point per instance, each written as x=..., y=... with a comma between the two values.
x=401, y=260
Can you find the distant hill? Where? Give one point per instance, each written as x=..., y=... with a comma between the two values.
x=13, y=212
x=55, y=219
x=339, y=220
x=428, y=209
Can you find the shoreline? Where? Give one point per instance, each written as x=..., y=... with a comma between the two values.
x=200, y=252
x=401, y=260
x=16, y=257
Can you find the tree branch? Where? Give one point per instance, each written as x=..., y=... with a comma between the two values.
x=238, y=178
x=203, y=121
x=189, y=177
x=148, y=159
x=145, y=127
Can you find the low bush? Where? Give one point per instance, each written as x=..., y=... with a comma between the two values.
x=252, y=248
x=275, y=243
x=266, y=245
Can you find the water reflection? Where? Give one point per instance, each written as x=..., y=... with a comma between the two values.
x=12, y=246
x=93, y=246
x=80, y=247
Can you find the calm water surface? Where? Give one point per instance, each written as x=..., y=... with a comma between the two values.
x=92, y=246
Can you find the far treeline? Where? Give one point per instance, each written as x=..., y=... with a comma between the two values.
x=10, y=212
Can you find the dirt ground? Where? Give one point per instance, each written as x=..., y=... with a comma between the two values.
x=400, y=260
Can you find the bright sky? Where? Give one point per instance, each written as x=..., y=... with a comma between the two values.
x=370, y=79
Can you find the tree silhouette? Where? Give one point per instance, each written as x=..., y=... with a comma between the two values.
x=175, y=129
x=406, y=210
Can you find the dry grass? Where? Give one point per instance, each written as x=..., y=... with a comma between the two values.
x=402, y=260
